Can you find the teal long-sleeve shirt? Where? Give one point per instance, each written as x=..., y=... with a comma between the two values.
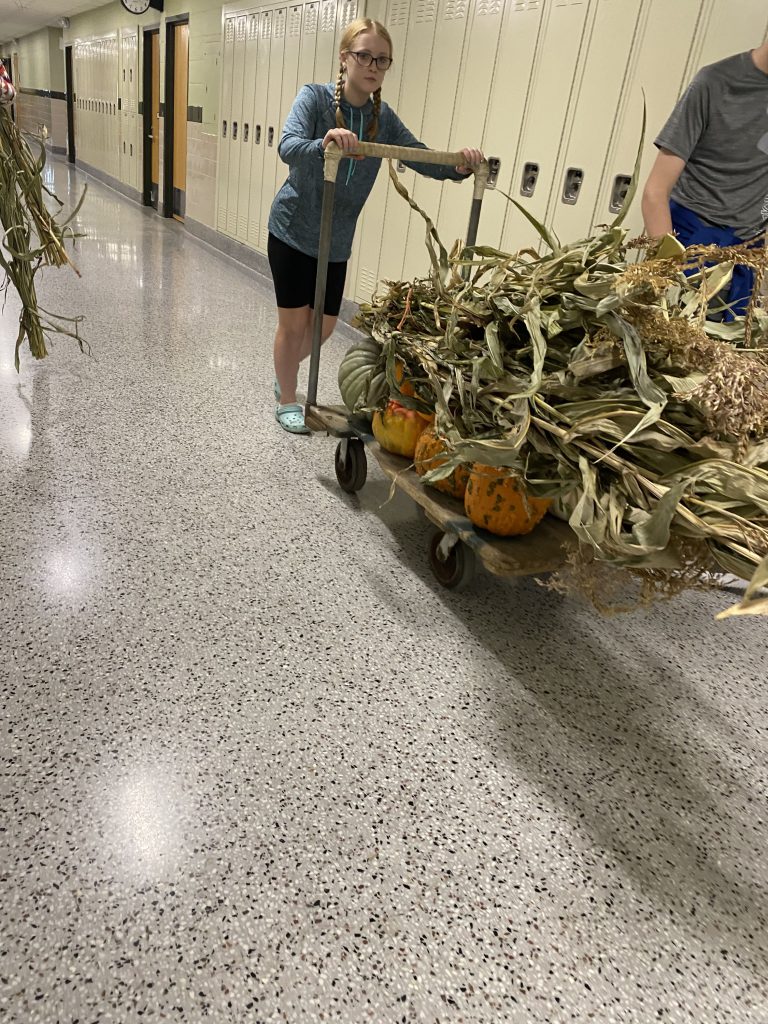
x=295, y=214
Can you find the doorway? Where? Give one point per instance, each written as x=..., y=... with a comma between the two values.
x=69, y=85
x=150, y=90
x=176, y=100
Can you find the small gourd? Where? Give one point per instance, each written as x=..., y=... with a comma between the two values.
x=397, y=429
x=497, y=500
x=430, y=454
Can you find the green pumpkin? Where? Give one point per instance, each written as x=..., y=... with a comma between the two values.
x=362, y=380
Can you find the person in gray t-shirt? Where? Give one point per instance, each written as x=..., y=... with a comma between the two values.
x=710, y=180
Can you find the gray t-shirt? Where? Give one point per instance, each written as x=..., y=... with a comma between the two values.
x=720, y=128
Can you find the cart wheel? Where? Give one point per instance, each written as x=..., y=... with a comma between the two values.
x=457, y=568
x=351, y=464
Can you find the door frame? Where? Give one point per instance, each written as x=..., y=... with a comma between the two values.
x=168, y=106
x=146, y=112
x=69, y=85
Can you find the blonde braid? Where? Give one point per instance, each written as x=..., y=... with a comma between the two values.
x=340, y=122
x=373, y=127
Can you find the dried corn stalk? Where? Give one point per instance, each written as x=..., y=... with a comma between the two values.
x=32, y=237
x=602, y=382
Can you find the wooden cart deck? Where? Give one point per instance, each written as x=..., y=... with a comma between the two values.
x=543, y=550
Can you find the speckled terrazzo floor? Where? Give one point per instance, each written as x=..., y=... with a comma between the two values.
x=257, y=766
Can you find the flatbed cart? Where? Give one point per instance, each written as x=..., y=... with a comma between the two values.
x=455, y=544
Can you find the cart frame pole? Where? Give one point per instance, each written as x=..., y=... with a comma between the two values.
x=330, y=171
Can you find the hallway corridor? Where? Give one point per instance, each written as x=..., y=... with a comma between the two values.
x=258, y=767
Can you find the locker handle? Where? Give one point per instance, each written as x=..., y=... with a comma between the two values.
x=245, y=132
x=494, y=166
x=234, y=130
x=530, y=177
x=258, y=135
x=574, y=178
x=621, y=185
x=224, y=130
x=270, y=135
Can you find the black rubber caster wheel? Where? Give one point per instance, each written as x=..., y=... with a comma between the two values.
x=351, y=464
x=457, y=568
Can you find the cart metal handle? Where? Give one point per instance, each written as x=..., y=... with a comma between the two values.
x=333, y=154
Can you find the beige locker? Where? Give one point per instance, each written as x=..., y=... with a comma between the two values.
x=452, y=24
x=555, y=63
x=236, y=123
x=472, y=91
x=326, y=50
x=311, y=19
x=127, y=116
x=721, y=33
x=247, y=128
x=274, y=23
x=510, y=88
x=658, y=61
x=589, y=123
x=288, y=87
x=371, y=223
x=410, y=108
x=259, y=215
x=225, y=120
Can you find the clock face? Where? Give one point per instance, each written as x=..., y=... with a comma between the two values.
x=136, y=6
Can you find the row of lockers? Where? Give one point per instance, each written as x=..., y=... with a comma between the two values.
x=106, y=105
x=267, y=55
x=553, y=89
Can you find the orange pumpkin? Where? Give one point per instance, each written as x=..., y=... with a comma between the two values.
x=398, y=429
x=430, y=454
x=497, y=501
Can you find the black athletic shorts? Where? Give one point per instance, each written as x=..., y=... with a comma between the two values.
x=294, y=274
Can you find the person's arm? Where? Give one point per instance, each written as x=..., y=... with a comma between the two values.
x=297, y=142
x=663, y=177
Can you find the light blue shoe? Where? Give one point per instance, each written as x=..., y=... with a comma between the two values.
x=291, y=418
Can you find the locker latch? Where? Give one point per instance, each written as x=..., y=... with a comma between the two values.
x=574, y=178
x=258, y=135
x=621, y=185
x=245, y=132
x=401, y=168
x=224, y=130
x=530, y=177
x=270, y=136
x=234, y=131
x=494, y=166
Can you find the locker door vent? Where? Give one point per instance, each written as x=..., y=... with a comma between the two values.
x=294, y=22
x=266, y=25
x=253, y=27
x=426, y=11
x=399, y=13
x=328, y=16
x=279, y=23
x=456, y=9
x=368, y=278
x=527, y=5
x=489, y=6
x=242, y=24
x=348, y=11
x=310, y=18
x=230, y=33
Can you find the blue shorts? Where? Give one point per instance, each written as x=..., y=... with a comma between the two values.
x=692, y=230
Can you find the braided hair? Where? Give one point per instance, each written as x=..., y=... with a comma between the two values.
x=349, y=35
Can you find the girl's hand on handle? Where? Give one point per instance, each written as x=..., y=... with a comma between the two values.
x=346, y=141
x=473, y=158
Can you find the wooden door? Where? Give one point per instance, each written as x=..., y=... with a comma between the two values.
x=155, y=108
x=180, y=100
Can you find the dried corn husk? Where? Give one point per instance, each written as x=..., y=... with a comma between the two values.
x=594, y=372
x=32, y=237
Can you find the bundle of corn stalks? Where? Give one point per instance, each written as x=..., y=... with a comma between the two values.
x=32, y=237
x=604, y=384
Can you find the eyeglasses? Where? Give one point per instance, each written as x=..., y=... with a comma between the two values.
x=365, y=59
